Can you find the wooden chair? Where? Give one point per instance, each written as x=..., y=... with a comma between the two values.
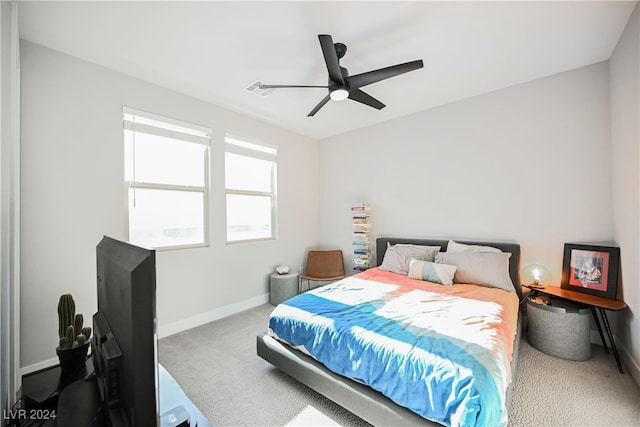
x=322, y=266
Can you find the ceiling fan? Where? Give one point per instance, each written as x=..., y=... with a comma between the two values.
x=341, y=85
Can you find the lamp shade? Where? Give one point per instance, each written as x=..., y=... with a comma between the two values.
x=535, y=275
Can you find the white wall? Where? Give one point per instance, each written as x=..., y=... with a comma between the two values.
x=73, y=193
x=625, y=141
x=530, y=163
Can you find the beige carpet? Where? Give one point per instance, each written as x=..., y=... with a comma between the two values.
x=217, y=366
x=554, y=392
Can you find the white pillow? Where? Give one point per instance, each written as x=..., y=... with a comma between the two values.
x=454, y=246
x=396, y=257
x=480, y=268
x=431, y=272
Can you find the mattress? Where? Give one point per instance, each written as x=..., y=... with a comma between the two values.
x=443, y=352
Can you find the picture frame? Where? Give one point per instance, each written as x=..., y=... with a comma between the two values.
x=591, y=269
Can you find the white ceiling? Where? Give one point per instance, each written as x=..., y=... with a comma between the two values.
x=213, y=50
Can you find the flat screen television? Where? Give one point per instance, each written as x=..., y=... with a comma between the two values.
x=125, y=343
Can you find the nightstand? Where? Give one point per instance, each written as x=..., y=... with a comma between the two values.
x=558, y=327
x=283, y=287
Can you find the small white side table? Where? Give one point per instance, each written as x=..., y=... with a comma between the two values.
x=283, y=287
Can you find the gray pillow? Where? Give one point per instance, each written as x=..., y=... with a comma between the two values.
x=397, y=257
x=480, y=268
x=454, y=246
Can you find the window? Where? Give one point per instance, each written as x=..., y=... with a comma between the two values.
x=250, y=182
x=166, y=174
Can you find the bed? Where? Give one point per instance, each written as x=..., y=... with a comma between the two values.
x=472, y=383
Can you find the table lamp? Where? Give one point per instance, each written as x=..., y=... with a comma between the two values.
x=535, y=276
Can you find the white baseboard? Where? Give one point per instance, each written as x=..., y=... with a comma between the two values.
x=210, y=316
x=628, y=363
x=37, y=366
x=176, y=327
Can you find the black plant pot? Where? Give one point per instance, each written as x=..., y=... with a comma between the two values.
x=73, y=360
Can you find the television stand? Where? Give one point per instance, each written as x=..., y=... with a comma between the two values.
x=78, y=403
x=172, y=396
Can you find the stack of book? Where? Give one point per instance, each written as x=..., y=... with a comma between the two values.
x=361, y=237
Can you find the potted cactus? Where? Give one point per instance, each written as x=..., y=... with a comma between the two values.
x=73, y=336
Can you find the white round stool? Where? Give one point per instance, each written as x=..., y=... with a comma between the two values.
x=283, y=287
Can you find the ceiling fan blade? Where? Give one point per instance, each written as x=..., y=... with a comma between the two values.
x=360, y=80
x=331, y=58
x=319, y=106
x=287, y=86
x=366, y=99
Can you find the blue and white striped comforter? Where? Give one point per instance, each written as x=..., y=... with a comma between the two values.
x=436, y=354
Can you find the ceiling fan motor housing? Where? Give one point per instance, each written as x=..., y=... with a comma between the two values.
x=339, y=91
x=341, y=49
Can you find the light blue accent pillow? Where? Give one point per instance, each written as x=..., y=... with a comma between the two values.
x=431, y=272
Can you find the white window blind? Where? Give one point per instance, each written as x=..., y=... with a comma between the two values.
x=250, y=186
x=166, y=175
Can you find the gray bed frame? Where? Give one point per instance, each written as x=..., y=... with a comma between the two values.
x=358, y=398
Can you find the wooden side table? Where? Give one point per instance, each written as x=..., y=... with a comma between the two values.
x=282, y=287
x=594, y=302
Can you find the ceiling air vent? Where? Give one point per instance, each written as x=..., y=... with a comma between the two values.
x=255, y=89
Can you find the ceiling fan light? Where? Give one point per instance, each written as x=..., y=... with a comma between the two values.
x=339, y=94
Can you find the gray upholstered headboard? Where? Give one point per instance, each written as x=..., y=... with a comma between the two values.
x=512, y=248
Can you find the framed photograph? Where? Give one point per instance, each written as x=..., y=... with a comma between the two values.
x=591, y=269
